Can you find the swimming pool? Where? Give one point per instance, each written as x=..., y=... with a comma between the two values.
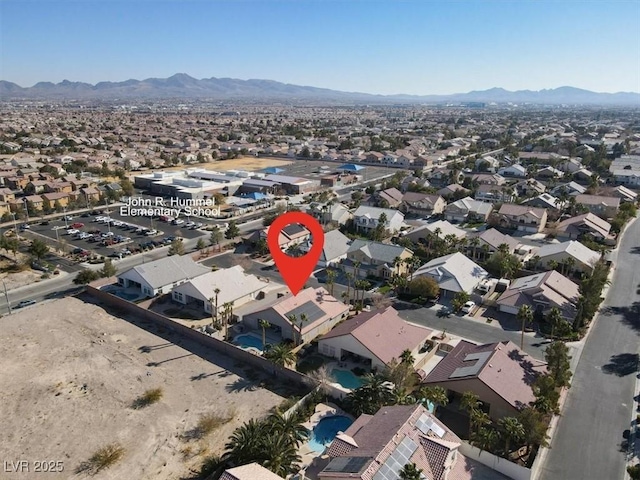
x=326, y=430
x=246, y=341
x=127, y=296
x=347, y=378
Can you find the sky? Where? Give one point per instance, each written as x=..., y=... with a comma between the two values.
x=416, y=47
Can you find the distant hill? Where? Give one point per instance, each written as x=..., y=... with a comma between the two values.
x=183, y=86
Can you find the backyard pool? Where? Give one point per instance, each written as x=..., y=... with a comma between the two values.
x=127, y=296
x=326, y=430
x=347, y=378
x=247, y=341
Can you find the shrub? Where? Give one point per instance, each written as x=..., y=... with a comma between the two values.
x=102, y=458
x=149, y=397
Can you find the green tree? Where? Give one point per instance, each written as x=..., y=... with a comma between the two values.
x=200, y=245
x=410, y=472
x=38, y=249
x=177, y=247
x=459, y=299
x=85, y=276
x=232, y=231
x=511, y=430
x=435, y=395
x=108, y=269
x=281, y=354
x=471, y=403
x=535, y=428
x=424, y=286
x=558, y=363
x=546, y=394
x=264, y=325
x=485, y=438
x=331, y=279
x=559, y=326
x=376, y=392
x=215, y=236
x=525, y=315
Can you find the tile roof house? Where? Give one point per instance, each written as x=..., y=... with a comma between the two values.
x=293, y=234
x=467, y=209
x=389, y=198
x=334, y=249
x=161, y=276
x=422, y=204
x=583, y=257
x=330, y=213
x=454, y=273
x=585, y=224
x=451, y=190
x=492, y=238
x=250, y=471
x=624, y=193
x=322, y=312
x=495, y=193
x=544, y=200
x=515, y=170
x=499, y=373
x=529, y=187
x=541, y=291
x=571, y=188
x=376, y=447
x=366, y=218
x=376, y=259
x=378, y=336
x=522, y=217
x=234, y=283
x=606, y=207
x=445, y=228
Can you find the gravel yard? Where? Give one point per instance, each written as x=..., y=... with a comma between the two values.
x=70, y=373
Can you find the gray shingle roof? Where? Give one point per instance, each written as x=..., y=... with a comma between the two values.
x=168, y=270
x=382, y=252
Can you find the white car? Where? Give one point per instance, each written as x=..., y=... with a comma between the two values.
x=72, y=231
x=177, y=221
x=467, y=307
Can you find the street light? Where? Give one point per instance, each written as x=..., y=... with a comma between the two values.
x=26, y=207
x=15, y=227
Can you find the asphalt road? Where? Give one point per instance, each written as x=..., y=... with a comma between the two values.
x=588, y=442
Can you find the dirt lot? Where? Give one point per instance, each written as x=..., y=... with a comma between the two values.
x=70, y=372
x=242, y=163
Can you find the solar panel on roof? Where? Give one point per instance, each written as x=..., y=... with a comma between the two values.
x=426, y=424
x=347, y=464
x=397, y=460
x=310, y=309
x=467, y=371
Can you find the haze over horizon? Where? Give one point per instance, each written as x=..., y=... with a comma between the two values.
x=413, y=48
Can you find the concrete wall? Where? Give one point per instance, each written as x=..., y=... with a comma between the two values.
x=502, y=465
x=225, y=348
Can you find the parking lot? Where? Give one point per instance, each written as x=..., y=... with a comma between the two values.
x=112, y=235
x=312, y=169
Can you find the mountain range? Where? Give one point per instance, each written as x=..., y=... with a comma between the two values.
x=183, y=86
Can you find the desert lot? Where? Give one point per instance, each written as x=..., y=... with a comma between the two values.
x=69, y=373
x=240, y=163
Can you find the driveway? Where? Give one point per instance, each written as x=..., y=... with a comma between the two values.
x=589, y=444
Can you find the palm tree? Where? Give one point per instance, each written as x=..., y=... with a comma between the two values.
x=552, y=264
x=485, y=438
x=478, y=419
x=288, y=427
x=407, y=357
x=321, y=377
x=331, y=279
x=512, y=431
x=435, y=395
x=410, y=472
x=244, y=443
x=554, y=318
x=264, y=325
x=227, y=315
x=303, y=319
x=281, y=354
x=525, y=315
x=280, y=455
x=473, y=243
x=216, y=291
x=471, y=403
x=349, y=276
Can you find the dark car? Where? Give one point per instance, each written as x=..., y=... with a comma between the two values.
x=444, y=312
x=44, y=222
x=25, y=303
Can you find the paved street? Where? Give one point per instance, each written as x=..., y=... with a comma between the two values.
x=587, y=443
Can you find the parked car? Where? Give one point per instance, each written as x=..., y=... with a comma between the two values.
x=25, y=303
x=468, y=307
x=72, y=231
x=444, y=312
x=77, y=225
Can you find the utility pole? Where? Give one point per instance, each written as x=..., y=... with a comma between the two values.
x=6, y=296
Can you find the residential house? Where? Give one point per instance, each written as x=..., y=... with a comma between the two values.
x=250, y=471
x=549, y=172
x=500, y=374
x=584, y=176
x=467, y=210
x=571, y=165
x=378, y=337
x=488, y=179
x=328, y=213
x=334, y=249
x=234, y=285
x=586, y=224
x=489, y=242
x=90, y=195
x=378, y=447
x=34, y=202
x=545, y=200
x=529, y=187
x=605, y=207
x=314, y=312
x=291, y=235
x=495, y=193
x=374, y=157
x=522, y=217
x=161, y=276
x=389, y=198
x=624, y=194
x=442, y=228
x=454, y=273
x=422, y=204
x=452, y=190
x=366, y=218
x=570, y=255
x=570, y=189
x=515, y=170
x=52, y=198
x=541, y=292
x=6, y=195
x=375, y=259
x=487, y=164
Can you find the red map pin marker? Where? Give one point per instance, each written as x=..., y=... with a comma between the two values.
x=295, y=270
